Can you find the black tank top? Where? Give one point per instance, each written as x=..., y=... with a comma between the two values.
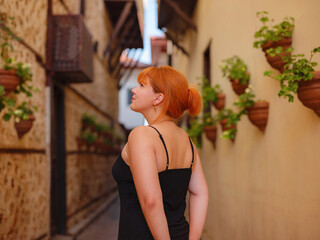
x=174, y=185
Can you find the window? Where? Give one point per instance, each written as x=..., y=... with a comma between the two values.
x=206, y=71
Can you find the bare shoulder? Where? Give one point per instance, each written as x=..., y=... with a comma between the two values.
x=138, y=134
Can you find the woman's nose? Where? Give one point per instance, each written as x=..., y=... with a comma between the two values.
x=133, y=90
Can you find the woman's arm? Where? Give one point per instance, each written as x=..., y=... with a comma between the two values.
x=142, y=161
x=198, y=201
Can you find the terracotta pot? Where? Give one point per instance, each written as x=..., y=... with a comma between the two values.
x=221, y=101
x=309, y=93
x=223, y=124
x=276, y=61
x=258, y=114
x=238, y=87
x=24, y=126
x=9, y=80
x=211, y=133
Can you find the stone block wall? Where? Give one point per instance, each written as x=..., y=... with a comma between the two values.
x=25, y=164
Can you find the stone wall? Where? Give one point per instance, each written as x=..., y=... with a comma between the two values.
x=24, y=175
x=24, y=210
x=25, y=163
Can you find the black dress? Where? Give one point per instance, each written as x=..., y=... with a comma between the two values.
x=174, y=185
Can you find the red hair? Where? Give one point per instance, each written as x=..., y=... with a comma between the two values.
x=178, y=97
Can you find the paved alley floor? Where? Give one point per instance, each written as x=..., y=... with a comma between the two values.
x=105, y=227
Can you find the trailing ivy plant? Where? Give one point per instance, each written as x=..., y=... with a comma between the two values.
x=235, y=68
x=297, y=68
x=272, y=33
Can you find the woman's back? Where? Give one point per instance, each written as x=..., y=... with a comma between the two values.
x=174, y=154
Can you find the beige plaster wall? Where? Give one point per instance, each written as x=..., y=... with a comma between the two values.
x=262, y=186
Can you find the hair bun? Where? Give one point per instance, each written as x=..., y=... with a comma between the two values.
x=194, y=101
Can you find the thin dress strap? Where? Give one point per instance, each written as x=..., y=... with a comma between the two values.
x=165, y=147
x=192, y=152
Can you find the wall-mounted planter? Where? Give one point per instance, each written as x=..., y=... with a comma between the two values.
x=9, y=80
x=220, y=103
x=24, y=126
x=238, y=87
x=276, y=61
x=211, y=133
x=309, y=93
x=258, y=114
x=223, y=124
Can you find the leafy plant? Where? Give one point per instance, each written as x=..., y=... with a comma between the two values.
x=22, y=112
x=209, y=94
x=233, y=119
x=88, y=136
x=24, y=72
x=6, y=35
x=5, y=101
x=195, y=131
x=88, y=119
x=272, y=33
x=245, y=100
x=297, y=68
x=235, y=68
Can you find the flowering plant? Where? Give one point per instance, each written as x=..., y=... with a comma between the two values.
x=22, y=112
x=233, y=119
x=245, y=100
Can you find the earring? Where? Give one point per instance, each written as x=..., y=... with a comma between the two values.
x=155, y=108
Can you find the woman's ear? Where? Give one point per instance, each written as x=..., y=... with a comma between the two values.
x=159, y=98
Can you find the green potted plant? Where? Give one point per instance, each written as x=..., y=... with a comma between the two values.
x=210, y=128
x=212, y=95
x=299, y=77
x=195, y=131
x=277, y=37
x=8, y=78
x=14, y=76
x=88, y=121
x=236, y=70
x=89, y=138
x=228, y=120
x=257, y=110
x=23, y=117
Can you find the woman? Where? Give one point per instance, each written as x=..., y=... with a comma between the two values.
x=159, y=163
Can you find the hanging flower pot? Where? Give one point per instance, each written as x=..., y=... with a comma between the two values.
x=24, y=126
x=258, y=114
x=220, y=103
x=9, y=80
x=211, y=133
x=223, y=124
x=238, y=87
x=309, y=93
x=276, y=61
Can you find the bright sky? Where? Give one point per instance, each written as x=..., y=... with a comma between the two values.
x=150, y=28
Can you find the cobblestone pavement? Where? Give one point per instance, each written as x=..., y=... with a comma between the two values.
x=105, y=227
